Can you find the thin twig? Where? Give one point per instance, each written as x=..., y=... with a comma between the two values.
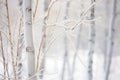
x=41, y=43
x=10, y=36
x=34, y=14
x=49, y=9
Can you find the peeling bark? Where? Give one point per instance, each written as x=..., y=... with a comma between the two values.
x=29, y=38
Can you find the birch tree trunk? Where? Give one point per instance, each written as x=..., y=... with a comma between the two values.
x=110, y=41
x=19, y=62
x=42, y=64
x=20, y=44
x=29, y=38
x=91, y=43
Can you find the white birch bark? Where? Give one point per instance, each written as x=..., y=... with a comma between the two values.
x=91, y=43
x=110, y=41
x=20, y=48
x=29, y=38
x=19, y=63
x=42, y=60
x=20, y=44
x=42, y=64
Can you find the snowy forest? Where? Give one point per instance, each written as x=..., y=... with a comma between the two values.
x=59, y=40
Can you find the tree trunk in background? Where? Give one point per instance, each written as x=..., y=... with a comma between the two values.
x=29, y=38
x=91, y=42
x=110, y=41
x=65, y=58
x=77, y=43
x=106, y=32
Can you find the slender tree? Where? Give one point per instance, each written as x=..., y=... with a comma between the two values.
x=29, y=38
x=19, y=63
x=42, y=64
x=91, y=42
x=3, y=31
x=110, y=41
x=20, y=43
